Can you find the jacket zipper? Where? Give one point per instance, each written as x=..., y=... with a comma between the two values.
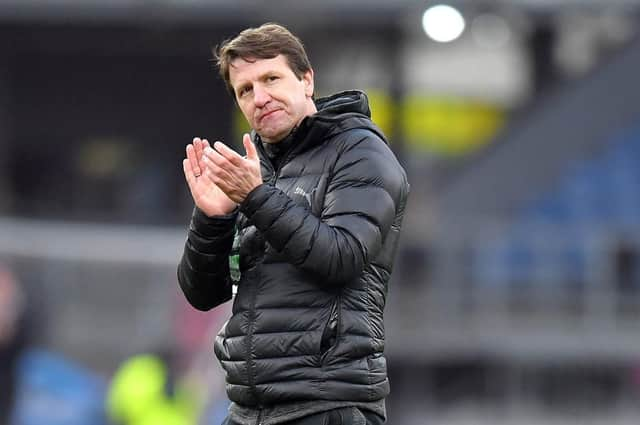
x=283, y=162
x=250, y=362
x=338, y=316
x=329, y=333
x=259, y=420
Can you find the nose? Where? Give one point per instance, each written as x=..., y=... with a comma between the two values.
x=260, y=96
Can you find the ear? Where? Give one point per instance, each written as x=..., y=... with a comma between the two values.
x=307, y=79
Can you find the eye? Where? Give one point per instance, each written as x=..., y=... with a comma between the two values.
x=243, y=91
x=272, y=78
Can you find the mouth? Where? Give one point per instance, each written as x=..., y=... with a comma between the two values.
x=267, y=114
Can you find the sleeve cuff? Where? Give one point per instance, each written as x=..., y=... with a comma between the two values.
x=254, y=199
x=212, y=226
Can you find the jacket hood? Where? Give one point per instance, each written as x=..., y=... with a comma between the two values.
x=336, y=114
x=353, y=101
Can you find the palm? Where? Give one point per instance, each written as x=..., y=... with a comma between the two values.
x=210, y=199
x=206, y=195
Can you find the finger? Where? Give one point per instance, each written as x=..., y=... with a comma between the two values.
x=249, y=147
x=202, y=145
x=214, y=162
x=193, y=157
x=211, y=156
x=188, y=173
x=198, y=146
x=231, y=155
x=216, y=158
x=217, y=174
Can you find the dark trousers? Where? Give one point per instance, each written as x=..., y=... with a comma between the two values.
x=343, y=416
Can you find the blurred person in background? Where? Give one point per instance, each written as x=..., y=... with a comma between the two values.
x=305, y=226
x=144, y=391
x=12, y=339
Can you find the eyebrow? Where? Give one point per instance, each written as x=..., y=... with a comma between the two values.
x=262, y=76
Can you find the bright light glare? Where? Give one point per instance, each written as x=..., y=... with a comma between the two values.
x=443, y=23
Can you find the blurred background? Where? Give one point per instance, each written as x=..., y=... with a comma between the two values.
x=516, y=293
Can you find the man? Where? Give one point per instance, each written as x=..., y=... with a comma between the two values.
x=314, y=212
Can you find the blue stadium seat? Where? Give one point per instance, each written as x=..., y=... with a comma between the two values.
x=601, y=192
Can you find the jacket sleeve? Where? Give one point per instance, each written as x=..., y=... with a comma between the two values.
x=203, y=272
x=365, y=188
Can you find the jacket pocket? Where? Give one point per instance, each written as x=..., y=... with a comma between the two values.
x=330, y=332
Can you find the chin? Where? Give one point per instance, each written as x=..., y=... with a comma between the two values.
x=273, y=138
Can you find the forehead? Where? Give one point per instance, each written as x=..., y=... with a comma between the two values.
x=241, y=70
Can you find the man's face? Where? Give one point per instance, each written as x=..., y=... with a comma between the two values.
x=271, y=97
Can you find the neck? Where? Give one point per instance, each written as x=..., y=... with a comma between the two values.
x=276, y=151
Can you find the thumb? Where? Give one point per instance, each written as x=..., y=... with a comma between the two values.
x=249, y=147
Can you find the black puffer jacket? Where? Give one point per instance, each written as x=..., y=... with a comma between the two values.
x=316, y=243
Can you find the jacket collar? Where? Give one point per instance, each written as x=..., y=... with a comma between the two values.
x=336, y=114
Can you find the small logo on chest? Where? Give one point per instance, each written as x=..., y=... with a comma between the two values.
x=301, y=192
